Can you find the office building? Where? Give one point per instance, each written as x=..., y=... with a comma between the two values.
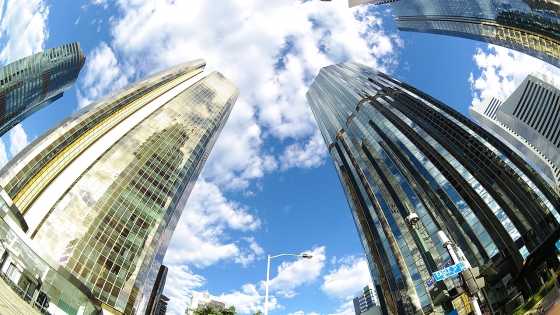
x=366, y=302
x=529, y=121
x=161, y=307
x=102, y=193
x=157, y=300
x=412, y=166
x=515, y=24
x=31, y=83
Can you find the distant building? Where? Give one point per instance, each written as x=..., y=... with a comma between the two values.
x=366, y=303
x=29, y=84
x=529, y=121
x=161, y=307
x=528, y=26
x=156, y=297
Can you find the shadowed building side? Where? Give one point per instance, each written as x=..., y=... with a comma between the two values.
x=412, y=166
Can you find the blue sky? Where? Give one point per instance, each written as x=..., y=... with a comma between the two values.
x=268, y=186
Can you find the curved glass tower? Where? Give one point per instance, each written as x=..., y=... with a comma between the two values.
x=412, y=166
x=101, y=193
x=31, y=83
x=528, y=26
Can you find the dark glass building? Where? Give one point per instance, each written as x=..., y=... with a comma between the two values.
x=31, y=83
x=412, y=166
x=528, y=26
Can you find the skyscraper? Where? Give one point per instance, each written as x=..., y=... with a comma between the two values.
x=412, y=166
x=102, y=193
x=31, y=83
x=529, y=121
x=515, y=24
x=366, y=302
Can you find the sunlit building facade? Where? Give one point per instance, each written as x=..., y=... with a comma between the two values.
x=102, y=193
x=29, y=84
x=522, y=25
x=412, y=166
x=529, y=121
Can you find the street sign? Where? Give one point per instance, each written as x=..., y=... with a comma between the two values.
x=449, y=272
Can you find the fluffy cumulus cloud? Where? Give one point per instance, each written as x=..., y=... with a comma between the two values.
x=202, y=230
x=23, y=28
x=345, y=281
x=103, y=75
x=502, y=70
x=18, y=139
x=248, y=300
x=273, y=62
x=303, y=313
x=308, y=155
x=180, y=284
x=292, y=275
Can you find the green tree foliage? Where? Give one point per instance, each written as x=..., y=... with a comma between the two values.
x=213, y=310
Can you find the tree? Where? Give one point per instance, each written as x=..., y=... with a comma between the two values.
x=259, y=313
x=214, y=310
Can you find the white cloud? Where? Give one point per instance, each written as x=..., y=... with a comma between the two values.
x=347, y=308
x=344, y=282
x=312, y=154
x=23, y=28
x=200, y=237
x=180, y=283
x=502, y=70
x=348, y=279
x=18, y=139
x=103, y=75
x=248, y=300
x=303, y=313
x=3, y=154
x=292, y=275
x=102, y=3
x=270, y=60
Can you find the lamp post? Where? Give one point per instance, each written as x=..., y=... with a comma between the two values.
x=302, y=255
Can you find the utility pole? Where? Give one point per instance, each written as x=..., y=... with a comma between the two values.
x=471, y=282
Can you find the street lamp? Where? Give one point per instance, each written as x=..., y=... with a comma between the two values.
x=302, y=255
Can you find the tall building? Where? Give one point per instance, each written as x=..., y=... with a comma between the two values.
x=31, y=83
x=412, y=166
x=102, y=193
x=516, y=24
x=157, y=300
x=366, y=302
x=529, y=121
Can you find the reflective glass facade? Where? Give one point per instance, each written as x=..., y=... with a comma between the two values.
x=31, y=83
x=411, y=166
x=102, y=193
x=532, y=27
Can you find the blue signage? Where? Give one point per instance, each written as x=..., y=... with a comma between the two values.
x=449, y=272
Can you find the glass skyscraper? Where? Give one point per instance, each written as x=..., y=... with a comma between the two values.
x=31, y=83
x=412, y=166
x=102, y=193
x=517, y=24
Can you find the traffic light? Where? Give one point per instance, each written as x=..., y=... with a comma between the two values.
x=473, y=281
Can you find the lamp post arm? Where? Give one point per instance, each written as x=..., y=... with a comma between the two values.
x=280, y=255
